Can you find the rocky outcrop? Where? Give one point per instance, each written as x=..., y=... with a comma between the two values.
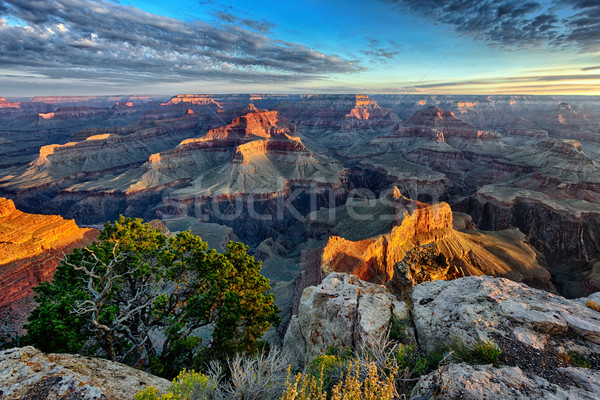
x=469, y=382
x=30, y=249
x=342, y=311
x=513, y=314
x=27, y=373
x=421, y=245
x=8, y=104
x=373, y=259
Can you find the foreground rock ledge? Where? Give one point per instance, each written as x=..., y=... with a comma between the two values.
x=27, y=373
x=464, y=381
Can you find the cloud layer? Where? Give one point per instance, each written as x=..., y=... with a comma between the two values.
x=101, y=40
x=559, y=24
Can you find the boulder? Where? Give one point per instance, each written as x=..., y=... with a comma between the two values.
x=483, y=308
x=343, y=311
x=469, y=382
x=27, y=373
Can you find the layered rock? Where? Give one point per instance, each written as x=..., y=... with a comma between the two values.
x=440, y=124
x=484, y=308
x=8, y=104
x=27, y=373
x=31, y=246
x=469, y=382
x=399, y=240
x=342, y=311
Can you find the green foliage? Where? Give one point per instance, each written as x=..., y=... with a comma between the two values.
x=487, y=352
x=327, y=368
x=482, y=352
x=188, y=385
x=105, y=299
x=398, y=328
x=409, y=358
x=578, y=360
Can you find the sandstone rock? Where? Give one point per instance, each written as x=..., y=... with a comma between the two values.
x=464, y=381
x=27, y=373
x=485, y=308
x=342, y=311
x=30, y=249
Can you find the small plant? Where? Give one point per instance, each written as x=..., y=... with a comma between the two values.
x=398, y=328
x=487, y=352
x=578, y=360
x=482, y=352
x=186, y=386
x=328, y=368
x=304, y=387
x=372, y=387
x=593, y=305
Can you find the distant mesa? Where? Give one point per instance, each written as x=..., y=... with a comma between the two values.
x=432, y=121
x=195, y=99
x=7, y=104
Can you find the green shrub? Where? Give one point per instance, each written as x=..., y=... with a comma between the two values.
x=578, y=360
x=398, y=328
x=482, y=352
x=327, y=368
x=188, y=385
x=487, y=352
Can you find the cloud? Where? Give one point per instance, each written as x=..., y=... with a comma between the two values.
x=513, y=79
x=516, y=23
x=102, y=40
x=262, y=26
x=590, y=68
x=380, y=53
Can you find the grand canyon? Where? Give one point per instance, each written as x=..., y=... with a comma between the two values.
x=395, y=190
x=231, y=200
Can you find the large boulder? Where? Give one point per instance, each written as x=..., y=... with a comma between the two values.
x=468, y=382
x=486, y=308
x=343, y=311
x=27, y=373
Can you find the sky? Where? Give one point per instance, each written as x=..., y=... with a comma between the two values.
x=81, y=47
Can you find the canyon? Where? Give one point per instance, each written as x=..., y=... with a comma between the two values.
x=395, y=189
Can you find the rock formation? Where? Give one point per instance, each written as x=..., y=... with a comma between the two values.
x=342, y=311
x=485, y=308
x=27, y=373
x=469, y=382
x=30, y=249
x=402, y=238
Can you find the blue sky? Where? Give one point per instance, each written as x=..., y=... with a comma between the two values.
x=378, y=46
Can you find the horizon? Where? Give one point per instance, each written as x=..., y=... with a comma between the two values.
x=73, y=48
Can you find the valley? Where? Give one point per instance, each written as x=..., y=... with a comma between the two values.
x=377, y=186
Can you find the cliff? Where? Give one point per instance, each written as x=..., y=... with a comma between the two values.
x=30, y=249
x=405, y=242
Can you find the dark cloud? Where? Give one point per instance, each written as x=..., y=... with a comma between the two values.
x=379, y=53
x=591, y=68
x=99, y=39
x=262, y=26
x=516, y=23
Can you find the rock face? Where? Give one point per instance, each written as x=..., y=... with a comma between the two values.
x=30, y=248
x=420, y=234
x=485, y=308
x=436, y=123
x=464, y=381
x=373, y=259
x=342, y=311
x=27, y=373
